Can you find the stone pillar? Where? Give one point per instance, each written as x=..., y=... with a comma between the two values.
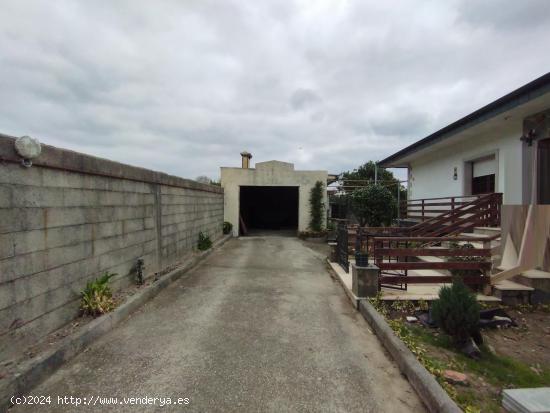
x=364, y=280
x=333, y=251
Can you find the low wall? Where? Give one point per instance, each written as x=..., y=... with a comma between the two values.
x=71, y=217
x=513, y=221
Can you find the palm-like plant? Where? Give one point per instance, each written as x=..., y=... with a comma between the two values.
x=97, y=298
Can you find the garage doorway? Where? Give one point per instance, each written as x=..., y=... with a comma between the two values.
x=271, y=209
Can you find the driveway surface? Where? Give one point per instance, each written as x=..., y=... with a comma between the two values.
x=259, y=326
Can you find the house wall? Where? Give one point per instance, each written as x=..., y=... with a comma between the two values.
x=272, y=173
x=71, y=217
x=431, y=176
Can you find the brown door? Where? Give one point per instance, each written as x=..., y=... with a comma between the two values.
x=543, y=162
x=483, y=175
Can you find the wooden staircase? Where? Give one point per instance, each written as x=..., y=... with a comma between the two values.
x=483, y=211
x=426, y=248
x=528, y=287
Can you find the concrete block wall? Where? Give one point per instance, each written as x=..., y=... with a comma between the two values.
x=185, y=213
x=71, y=217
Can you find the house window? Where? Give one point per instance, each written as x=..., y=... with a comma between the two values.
x=543, y=163
x=483, y=175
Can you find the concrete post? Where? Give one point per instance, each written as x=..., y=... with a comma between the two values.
x=333, y=251
x=364, y=280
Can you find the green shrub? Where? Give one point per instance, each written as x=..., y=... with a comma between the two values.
x=97, y=298
x=373, y=205
x=457, y=311
x=204, y=242
x=227, y=227
x=317, y=207
x=312, y=234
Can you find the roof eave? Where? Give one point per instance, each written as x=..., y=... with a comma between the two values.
x=513, y=99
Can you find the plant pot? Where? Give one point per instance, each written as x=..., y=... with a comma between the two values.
x=361, y=259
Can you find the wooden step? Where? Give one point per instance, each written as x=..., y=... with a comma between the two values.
x=474, y=235
x=487, y=230
x=536, y=275
x=540, y=281
x=495, y=244
x=512, y=293
x=430, y=258
x=507, y=285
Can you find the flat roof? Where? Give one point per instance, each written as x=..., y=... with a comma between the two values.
x=520, y=96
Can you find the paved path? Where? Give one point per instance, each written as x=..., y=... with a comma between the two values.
x=259, y=326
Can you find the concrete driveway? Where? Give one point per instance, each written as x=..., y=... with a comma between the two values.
x=259, y=326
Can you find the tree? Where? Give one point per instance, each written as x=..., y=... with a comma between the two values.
x=373, y=205
x=457, y=313
x=203, y=179
x=317, y=206
x=366, y=173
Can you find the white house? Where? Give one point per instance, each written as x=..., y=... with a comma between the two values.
x=502, y=147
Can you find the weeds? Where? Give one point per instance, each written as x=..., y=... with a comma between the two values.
x=204, y=242
x=227, y=227
x=97, y=298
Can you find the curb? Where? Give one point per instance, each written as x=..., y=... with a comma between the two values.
x=34, y=371
x=426, y=386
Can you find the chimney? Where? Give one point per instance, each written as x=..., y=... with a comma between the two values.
x=245, y=156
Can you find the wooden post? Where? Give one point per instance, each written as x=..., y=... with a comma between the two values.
x=423, y=210
x=452, y=208
x=398, y=201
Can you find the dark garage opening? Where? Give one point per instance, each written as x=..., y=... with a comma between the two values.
x=269, y=207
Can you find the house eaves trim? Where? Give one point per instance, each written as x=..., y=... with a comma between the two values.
x=520, y=96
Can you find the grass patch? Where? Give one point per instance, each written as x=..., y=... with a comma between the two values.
x=499, y=370
x=488, y=375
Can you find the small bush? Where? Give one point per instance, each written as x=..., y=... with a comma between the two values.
x=227, y=227
x=457, y=311
x=312, y=234
x=204, y=242
x=97, y=298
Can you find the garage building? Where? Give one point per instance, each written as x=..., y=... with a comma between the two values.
x=271, y=196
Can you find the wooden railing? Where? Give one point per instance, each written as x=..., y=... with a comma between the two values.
x=359, y=236
x=395, y=250
x=423, y=209
x=484, y=211
x=395, y=256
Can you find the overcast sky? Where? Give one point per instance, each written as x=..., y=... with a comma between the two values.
x=184, y=86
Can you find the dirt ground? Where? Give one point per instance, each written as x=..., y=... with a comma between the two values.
x=514, y=357
x=529, y=342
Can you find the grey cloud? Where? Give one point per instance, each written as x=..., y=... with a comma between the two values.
x=304, y=98
x=512, y=15
x=183, y=87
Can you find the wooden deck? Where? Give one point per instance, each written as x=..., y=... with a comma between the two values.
x=414, y=292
